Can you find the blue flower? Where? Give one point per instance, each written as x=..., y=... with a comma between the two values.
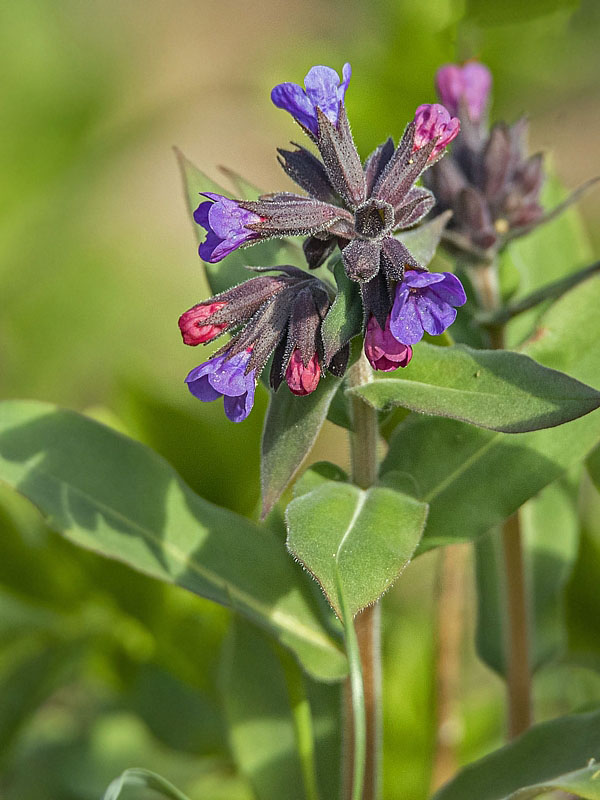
x=323, y=90
x=225, y=222
x=227, y=378
x=425, y=302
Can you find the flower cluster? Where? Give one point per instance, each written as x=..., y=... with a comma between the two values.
x=360, y=209
x=488, y=181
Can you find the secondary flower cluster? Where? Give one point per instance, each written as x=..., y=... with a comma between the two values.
x=360, y=209
x=488, y=181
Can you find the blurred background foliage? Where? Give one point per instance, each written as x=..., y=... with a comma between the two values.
x=100, y=668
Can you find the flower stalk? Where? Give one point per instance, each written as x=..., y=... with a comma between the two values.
x=363, y=444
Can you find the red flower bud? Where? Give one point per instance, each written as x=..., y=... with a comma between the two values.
x=383, y=350
x=301, y=379
x=191, y=323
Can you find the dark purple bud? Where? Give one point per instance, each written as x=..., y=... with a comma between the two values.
x=434, y=124
x=403, y=169
x=225, y=377
x=226, y=225
x=396, y=258
x=308, y=172
x=192, y=323
x=498, y=162
x=317, y=250
x=323, y=90
x=376, y=163
x=384, y=352
x=302, y=378
x=339, y=362
x=416, y=204
x=361, y=259
x=467, y=86
x=293, y=215
x=425, y=301
x=341, y=158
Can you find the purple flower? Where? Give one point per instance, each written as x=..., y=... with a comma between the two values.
x=384, y=352
x=425, y=302
x=323, y=90
x=225, y=222
x=432, y=121
x=470, y=85
x=223, y=377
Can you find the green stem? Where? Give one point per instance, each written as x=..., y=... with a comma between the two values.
x=355, y=780
x=303, y=726
x=363, y=444
x=518, y=678
x=500, y=316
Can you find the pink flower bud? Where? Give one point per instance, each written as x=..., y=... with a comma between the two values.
x=302, y=379
x=384, y=352
x=434, y=122
x=469, y=85
x=191, y=323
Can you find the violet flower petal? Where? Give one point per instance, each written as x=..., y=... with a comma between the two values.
x=405, y=322
x=292, y=98
x=237, y=408
x=435, y=318
x=450, y=290
x=228, y=376
x=416, y=279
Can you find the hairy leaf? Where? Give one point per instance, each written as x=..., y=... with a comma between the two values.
x=292, y=425
x=472, y=478
x=540, y=756
x=368, y=536
x=495, y=389
x=112, y=495
x=344, y=318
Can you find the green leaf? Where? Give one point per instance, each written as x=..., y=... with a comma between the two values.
x=232, y=269
x=259, y=716
x=112, y=495
x=533, y=761
x=583, y=783
x=550, y=530
x=495, y=389
x=291, y=427
x=179, y=429
x=369, y=536
x=473, y=479
x=423, y=241
x=316, y=475
x=344, y=319
x=129, y=784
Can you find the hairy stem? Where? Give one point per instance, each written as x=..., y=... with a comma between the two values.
x=363, y=447
x=485, y=282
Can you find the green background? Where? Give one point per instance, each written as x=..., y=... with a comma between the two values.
x=101, y=669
